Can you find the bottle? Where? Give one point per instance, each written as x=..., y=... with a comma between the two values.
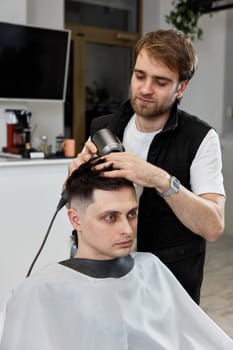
x=27, y=150
x=59, y=148
x=44, y=145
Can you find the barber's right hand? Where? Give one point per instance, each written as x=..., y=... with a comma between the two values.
x=89, y=150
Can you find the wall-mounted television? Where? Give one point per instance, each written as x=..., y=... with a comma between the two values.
x=33, y=63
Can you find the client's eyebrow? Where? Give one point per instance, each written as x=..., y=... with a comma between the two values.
x=118, y=212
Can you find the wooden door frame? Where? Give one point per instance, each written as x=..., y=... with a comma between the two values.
x=81, y=35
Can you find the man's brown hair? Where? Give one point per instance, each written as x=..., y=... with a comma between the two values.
x=173, y=49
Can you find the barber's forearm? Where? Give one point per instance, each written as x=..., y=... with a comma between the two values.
x=203, y=215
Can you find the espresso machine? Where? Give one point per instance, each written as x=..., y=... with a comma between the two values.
x=18, y=131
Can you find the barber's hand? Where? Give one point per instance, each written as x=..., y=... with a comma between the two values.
x=135, y=169
x=88, y=151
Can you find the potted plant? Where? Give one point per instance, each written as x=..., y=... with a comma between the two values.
x=186, y=14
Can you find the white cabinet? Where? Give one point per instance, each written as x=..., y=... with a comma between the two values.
x=30, y=191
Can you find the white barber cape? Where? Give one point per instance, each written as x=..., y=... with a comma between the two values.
x=60, y=308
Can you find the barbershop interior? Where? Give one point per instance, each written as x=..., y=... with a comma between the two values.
x=87, y=74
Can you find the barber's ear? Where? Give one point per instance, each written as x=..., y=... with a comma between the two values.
x=181, y=88
x=74, y=218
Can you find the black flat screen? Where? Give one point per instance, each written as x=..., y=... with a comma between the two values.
x=33, y=62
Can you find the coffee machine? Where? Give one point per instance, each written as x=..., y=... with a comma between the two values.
x=18, y=131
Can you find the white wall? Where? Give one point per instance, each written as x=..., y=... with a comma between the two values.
x=228, y=100
x=14, y=11
x=151, y=15
x=29, y=196
x=206, y=94
x=227, y=151
x=47, y=13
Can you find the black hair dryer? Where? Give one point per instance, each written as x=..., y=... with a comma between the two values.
x=106, y=142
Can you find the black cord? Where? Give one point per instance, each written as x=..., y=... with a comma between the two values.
x=61, y=203
x=43, y=243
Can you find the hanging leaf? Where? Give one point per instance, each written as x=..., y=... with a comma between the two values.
x=185, y=18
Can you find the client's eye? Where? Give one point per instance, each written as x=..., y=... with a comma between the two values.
x=133, y=214
x=110, y=218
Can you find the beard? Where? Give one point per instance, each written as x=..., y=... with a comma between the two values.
x=151, y=109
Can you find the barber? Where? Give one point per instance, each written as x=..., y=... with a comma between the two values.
x=173, y=157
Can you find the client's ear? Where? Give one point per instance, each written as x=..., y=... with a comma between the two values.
x=74, y=218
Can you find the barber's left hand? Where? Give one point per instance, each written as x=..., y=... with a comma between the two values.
x=88, y=151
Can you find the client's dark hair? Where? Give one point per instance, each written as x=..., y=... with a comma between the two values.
x=84, y=180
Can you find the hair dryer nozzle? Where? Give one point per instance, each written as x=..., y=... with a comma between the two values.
x=106, y=142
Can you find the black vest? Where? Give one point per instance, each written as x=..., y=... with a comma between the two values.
x=173, y=149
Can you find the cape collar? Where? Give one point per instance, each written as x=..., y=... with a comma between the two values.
x=114, y=268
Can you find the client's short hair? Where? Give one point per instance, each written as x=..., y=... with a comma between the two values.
x=84, y=180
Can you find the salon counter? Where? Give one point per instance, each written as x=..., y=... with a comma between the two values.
x=18, y=162
x=30, y=190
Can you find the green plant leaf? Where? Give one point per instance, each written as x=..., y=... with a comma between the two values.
x=185, y=19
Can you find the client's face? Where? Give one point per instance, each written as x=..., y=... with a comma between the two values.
x=107, y=227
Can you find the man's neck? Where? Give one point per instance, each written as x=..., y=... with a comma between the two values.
x=151, y=124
